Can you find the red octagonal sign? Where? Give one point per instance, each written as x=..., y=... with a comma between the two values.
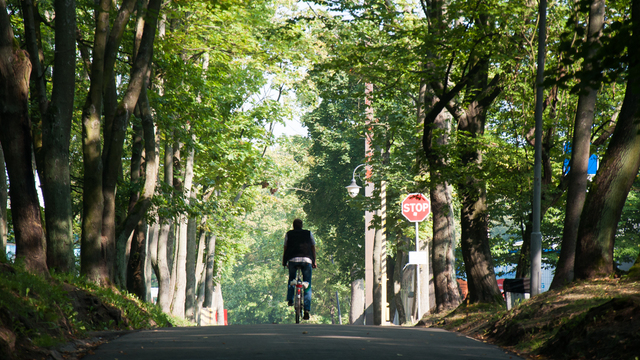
x=416, y=207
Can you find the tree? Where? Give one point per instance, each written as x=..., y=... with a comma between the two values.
x=56, y=134
x=15, y=138
x=440, y=192
x=101, y=168
x=3, y=207
x=619, y=169
x=580, y=147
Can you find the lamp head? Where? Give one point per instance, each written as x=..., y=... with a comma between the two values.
x=353, y=189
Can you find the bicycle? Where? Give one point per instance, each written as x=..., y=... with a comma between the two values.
x=298, y=297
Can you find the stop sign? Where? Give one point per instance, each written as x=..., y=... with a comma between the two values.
x=416, y=207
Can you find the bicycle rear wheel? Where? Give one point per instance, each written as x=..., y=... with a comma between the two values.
x=298, y=304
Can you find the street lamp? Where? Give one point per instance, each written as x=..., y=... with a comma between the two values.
x=353, y=188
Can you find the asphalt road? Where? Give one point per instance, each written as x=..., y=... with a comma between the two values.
x=310, y=342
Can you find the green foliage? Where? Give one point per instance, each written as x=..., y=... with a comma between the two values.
x=627, y=245
x=255, y=287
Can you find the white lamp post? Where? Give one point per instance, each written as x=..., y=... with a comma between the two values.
x=353, y=188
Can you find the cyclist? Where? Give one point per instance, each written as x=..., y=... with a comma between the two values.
x=299, y=251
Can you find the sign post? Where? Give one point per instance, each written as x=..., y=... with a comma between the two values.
x=416, y=208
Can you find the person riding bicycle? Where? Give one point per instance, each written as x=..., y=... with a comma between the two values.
x=299, y=251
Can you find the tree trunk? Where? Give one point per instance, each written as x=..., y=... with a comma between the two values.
x=15, y=137
x=200, y=273
x=209, y=282
x=377, y=275
x=580, y=151
x=140, y=203
x=152, y=251
x=179, y=298
x=476, y=251
x=93, y=252
x=202, y=279
x=56, y=130
x=219, y=304
x=39, y=99
x=165, y=292
x=202, y=243
x=3, y=207
x=112, y=156
x=356, y=312
x=442, y=254
x=192, y=258
x=135, y=272
x=619, y=168
x=443, y=250
x=397, y=286
x=172, y=243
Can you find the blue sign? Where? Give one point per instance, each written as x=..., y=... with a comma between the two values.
x=592, y=168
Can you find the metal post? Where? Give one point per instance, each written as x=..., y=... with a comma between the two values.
x=536, y=235
x=339, y=312
x=417, y=292
x=384, y=306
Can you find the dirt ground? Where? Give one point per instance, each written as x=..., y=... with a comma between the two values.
x=590, y=320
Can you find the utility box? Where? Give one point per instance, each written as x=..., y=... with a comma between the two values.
x=516, y=290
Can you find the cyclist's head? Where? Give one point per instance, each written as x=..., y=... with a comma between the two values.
x=297, y=224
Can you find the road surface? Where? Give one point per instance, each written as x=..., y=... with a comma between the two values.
x=309, y=342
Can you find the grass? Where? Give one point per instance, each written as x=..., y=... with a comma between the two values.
x=586, y=320
x=38, y=313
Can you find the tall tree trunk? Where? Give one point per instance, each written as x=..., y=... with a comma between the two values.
x=437, y=130
x=172, y=241
x=202, y=243
x=580, y=150
x=140, y=203
x=619, y=168
x=356, y=312
x=112, y=156
x=200, y=273
x=397, y=284
x=15, y=137
x=3, y=207
x=152, y=249
x=476, y=251
x=377, y=274
x=135, y=272
x=135, y=269
x=165, y=293
x=56, y=139
x=443, y=249
x=219, y=304
x=93, y=252
x=446, y=291
x=179, y=298
x=38, y=85
x=192, y=258
x=209, y=282
x=202, y=279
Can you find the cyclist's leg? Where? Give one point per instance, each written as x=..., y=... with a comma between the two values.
x=292, y=276
x=306, y=276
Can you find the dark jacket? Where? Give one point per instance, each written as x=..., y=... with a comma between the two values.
x=299, y=244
